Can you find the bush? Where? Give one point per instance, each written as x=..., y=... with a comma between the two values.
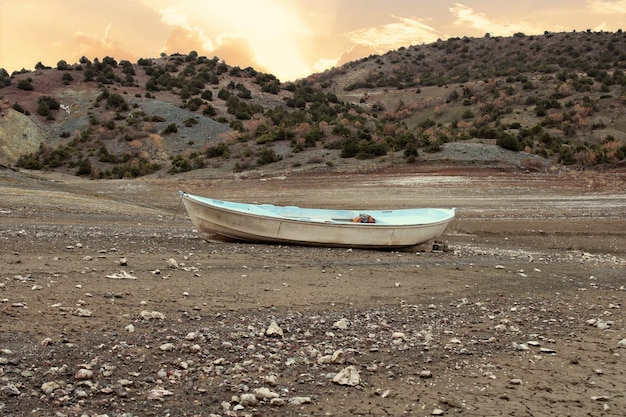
x=62, y=66
x=5, y=79
x=25, y=84
x=19, y=108
x=217, y=151
x=190, y=122
x=117, y=101
x=67, y=78
x=267, y=156
x=84, y=168
x=509, y=142
x=171, y=128
x=45, y=104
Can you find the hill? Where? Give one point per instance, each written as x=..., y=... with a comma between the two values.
x=524, y=101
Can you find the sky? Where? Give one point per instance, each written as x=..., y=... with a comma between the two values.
x=288, y=38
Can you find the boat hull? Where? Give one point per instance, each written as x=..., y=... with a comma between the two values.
x=218, y=221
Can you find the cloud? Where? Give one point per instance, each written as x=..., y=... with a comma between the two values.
x=184, y=37
x=404, y=32
x=355, y=53
x=237, y=51
x=232, y=48
x=607, y=6
x=466, y=17
x=92, y=46
x=268, y=36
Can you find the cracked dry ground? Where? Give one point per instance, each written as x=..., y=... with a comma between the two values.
x=110, y=304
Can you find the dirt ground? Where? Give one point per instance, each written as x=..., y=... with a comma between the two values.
x=111, y=304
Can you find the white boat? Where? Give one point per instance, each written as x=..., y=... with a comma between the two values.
x=221, y=220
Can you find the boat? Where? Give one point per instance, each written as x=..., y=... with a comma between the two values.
x=219, y=220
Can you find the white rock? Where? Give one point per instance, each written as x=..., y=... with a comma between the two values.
x=341, y=324
x=172, y=264
x=121, y=275
x=49, y=387
x=82, y=312
x=600, y=398
x=437, y=412
x=247, y=399
x=130, y=328
x=426, y=374
x=277, y=402
x=83, y=374
x=299, y=400
x=149, y=315
x=166, y=347
x=271, y=380
x=326, y=359
x=158, y=394
x=264, y=393
x=348, y=376
x=338, y=357
x=274, y=330
x=520, y=346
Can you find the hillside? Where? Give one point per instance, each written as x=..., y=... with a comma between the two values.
x=552, y=100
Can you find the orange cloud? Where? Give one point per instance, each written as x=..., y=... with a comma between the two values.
x=466, y=17
x=404, y=32
x=608, y=7
x=237, y=51
x=93, y=47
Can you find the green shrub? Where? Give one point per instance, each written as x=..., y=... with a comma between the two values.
x=218, y=150
x=267, y=156
x=25, y=84
x=19, y=108
x=5, y=79
x=171, y=128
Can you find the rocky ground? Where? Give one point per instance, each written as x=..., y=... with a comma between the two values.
x=111, y=304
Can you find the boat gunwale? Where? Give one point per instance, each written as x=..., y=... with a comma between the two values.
x=318, y=222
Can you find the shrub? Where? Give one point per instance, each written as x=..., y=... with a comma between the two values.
x=45, y=104
x=171, y=128
x=84, y=168
x=117, y=101
x=67, y=78
x=217, y=151
x=267, y=156
x=25, y=84
x=209, y=111
x=19, y=108
x=509, y=142
x=5, y=79
x=190, y=122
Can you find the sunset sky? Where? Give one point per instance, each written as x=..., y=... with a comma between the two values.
x=288, y=38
